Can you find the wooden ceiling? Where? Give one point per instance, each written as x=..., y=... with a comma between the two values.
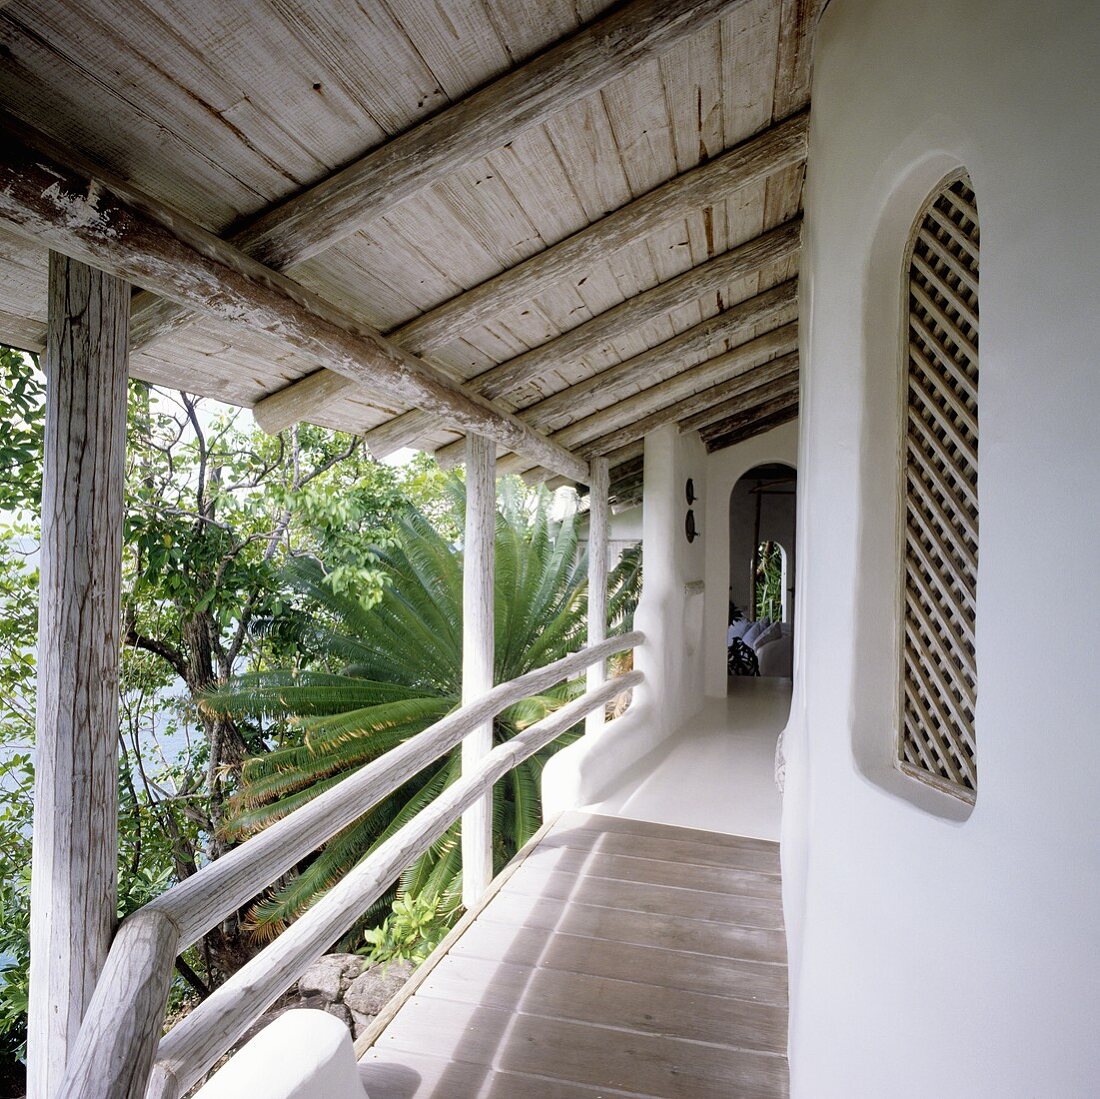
x=580, y=219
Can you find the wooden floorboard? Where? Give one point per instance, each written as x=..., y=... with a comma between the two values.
x=659, y=964
x=710, y=879
x=624, y=1005
x=400, y=1074
x=711, y=937
x=621, y=958
x=648, y=897
x=672, y=849
x=629, y=827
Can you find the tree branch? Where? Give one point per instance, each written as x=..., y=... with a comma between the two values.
x=173, y=657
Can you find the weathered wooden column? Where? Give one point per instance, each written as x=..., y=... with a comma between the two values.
x=598, y=488
x=477, y=653
x=76, y=760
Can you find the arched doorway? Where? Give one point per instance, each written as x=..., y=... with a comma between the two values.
x=759, y=638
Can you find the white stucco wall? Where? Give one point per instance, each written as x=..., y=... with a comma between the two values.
x=933, y=956
x=671, y=615
x=723, y=470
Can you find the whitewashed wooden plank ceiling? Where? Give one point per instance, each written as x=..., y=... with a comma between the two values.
x=223, y=110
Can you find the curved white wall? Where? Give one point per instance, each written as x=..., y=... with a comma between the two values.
x=932, y=957
x=670, y=613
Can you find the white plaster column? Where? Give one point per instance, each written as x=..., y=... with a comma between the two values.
x=76, y=760
x=477, y=653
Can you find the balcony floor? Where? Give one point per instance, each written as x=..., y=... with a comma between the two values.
x=717, y=772
x=616, y=958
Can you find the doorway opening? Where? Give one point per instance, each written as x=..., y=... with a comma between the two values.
x=759, y=638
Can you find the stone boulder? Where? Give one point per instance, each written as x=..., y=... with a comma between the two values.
x=330, y=975
x=374, y=988
x=338, y=984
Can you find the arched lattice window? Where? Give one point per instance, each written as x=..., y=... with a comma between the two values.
x=938, y=686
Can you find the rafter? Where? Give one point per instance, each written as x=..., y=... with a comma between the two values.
x=783, y=370
x=76, y=209
x=763, y=418
x=737, y=400
x=500, y=381
x=624, y=463
x=732, y=328
x=670, y=400
x=750, y=162
x=779, y=377
x=763, y=400
x=767, y=397
x=305, y=225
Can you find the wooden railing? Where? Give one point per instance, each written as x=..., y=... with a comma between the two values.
x=117, y=1054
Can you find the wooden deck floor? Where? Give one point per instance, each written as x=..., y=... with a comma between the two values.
x=619, y=958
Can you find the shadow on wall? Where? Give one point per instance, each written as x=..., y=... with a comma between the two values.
x=759, y=638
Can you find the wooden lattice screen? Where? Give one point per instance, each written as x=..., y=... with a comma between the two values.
x=938, y=667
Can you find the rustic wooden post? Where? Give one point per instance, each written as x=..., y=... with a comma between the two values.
x=477, y=654
x=75, y=812
x=598, y=488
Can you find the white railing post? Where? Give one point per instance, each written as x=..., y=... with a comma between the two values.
x=598, y=521
x=76, y=786
x=477, y=654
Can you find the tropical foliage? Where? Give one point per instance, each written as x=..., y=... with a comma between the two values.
x=769, y=581
x=334, y=583
x=392, y=669
x=213, y=509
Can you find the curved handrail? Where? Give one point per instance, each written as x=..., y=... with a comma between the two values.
x=197, y=1043
x=205, y=899
x=115, y=1048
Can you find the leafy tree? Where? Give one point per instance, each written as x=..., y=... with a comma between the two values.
x=18, y=626
x=213, y=507
x=388, y=671
x=17, y=782
x=22, y=416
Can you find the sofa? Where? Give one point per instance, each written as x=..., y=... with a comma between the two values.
x=771, y=643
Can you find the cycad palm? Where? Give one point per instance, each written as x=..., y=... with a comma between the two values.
x=393, y=670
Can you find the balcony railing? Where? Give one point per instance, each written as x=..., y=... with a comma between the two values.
x=119, y=1052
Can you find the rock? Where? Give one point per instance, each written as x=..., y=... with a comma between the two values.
x=359, y=1022
x=340, y=1012
x=354, y=965
x=282, y=1006
x=329, y=976
x=370, y=991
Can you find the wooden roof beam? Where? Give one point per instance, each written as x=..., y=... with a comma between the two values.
x=500, y=381
x=77, y=210
x=753, y=160
x=783, y=370
x=305, y=225
x=761, y=401
x=761, y=392
x=732, y=328
x=771, y=414
x=712, y=417
x=670, y=400
x=624, y=464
